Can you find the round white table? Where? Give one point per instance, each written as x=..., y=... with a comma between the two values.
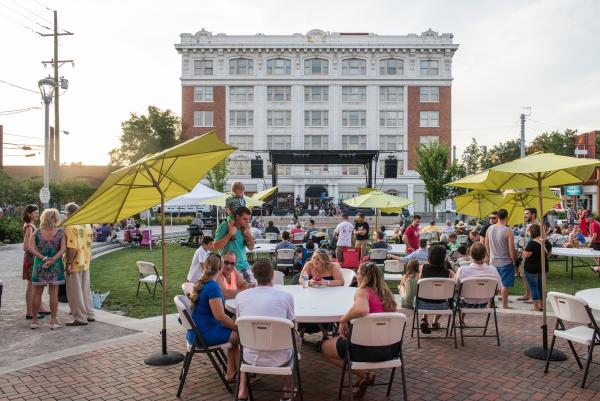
x=576, y=253
x=315, y=305
x=262, y=248
x=591, y=296
x=398, y=249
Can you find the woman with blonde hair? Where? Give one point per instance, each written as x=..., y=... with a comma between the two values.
x=322, y=271
x=372, y=296
x=47, y=246
x=209, y=313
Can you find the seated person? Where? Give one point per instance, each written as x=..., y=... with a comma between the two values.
x=285, y=244
x=209, y=314
x=136, y=234
x=321, y=271
x=448, y=228
x=431, y=228
x=397, y=236
x=408, y=284
x=420, y=254
x=385, y=236
x=311, y=230
x=372, y=296
x=320, y=236
x=452, y=242
x=477, y=269
x=380, y=243
x=576, y=238
x=460, y=227
x=462, y=255
x=230, y=280
x=198, y=259
x=437, y=267
x=265, y=300
x=296, y=230
x=473, y=238
x=255, y=231
x=306, y=252
x=271, y=228
x=102, y=233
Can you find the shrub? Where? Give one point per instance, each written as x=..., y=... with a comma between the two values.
x=11, y=230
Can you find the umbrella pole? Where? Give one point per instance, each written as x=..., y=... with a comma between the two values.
x=543, y=351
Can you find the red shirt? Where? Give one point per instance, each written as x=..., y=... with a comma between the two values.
x=412, y=234
x=595, y=229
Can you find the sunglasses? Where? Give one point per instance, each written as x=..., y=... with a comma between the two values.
x=226, y=263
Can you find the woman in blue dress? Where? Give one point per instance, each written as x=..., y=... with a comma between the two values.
x=209, y=314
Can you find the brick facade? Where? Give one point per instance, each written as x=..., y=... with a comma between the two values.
x=217, y=106
x=414, y=107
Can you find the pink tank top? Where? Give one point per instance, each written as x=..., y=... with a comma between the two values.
x=233, y=284
x=375, y=304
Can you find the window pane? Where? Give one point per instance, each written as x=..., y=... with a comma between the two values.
x=203, y=67
x=241, y=66
x=391, y=67
x=354, y=66
x=316, y=66
x=279, y=66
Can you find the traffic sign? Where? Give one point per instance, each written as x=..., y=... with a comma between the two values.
x=44, y=195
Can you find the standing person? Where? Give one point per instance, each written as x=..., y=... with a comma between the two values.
x=533, y=264
x=198, y=259
x=530, y=216
x=343, y=234
x=47, y=246
x=411, y=235
x=311, y=230
x=78, y=240
x=582, y=213
x=500, y=245
x=570, y=216
x=595, y=233
x=361, y=233
x=234, y=235
x=492, y=219
x=31, y=214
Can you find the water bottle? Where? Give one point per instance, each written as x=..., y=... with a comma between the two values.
x=305, y=281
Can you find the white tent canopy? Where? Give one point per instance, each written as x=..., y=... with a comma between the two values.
x=199, y=193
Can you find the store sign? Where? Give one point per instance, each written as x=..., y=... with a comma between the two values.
x=573, y=190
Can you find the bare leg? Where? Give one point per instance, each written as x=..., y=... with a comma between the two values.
x=35, y=304
x=29, y=298
x=330, y=351
x=527, y=294
x=53, y=291
x=504, y=293
x=243, y=393
x=233, y=356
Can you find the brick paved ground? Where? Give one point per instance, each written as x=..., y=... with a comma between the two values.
x=479, y=371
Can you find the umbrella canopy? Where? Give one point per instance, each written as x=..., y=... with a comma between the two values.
x=365, y=190
x=220, y=200
x=199, y=193
x=378, y=200
x=478, y=203
x=152, y=179
x=262, y=195
x=515, y=202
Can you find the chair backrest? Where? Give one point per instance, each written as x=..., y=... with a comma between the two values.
x=569, y=307
x=478, y=287
x=351, y=258
x=299, y=236
x=462, y=239
x=349, y=275
x=207, y=233
x=187, y=288
x=278, y=277
x=425, y=235
x=271, y=236
x=262, y=241
x=435, y=288
x=560, y=241
x=378, y=329
x=265, y=333
x=285, y=254
x=378, y=254
x=393, y=266
x=183, y=304
x=146, y=237
x=146, y=268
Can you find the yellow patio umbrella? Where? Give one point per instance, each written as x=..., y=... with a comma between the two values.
x=380, y=201
x=515, y=202
x=220, y=200
x=153, y=179
x=262, y=195
x=365, y=190
x=534, y=171
x=478, y=203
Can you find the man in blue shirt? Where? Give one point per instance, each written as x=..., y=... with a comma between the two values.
x=285, y=244
x=420, y=254
x=235, y=236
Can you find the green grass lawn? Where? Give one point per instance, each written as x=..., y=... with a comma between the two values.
x=117, y=273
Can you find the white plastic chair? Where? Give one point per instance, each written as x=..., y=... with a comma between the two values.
x=261, y=333
x=440, y=289
x=378, y=254
x=569, y=308
x=375, y=330
x=271, y=236
x=187, y=288
x=207, y=233
x=278, y=277
x=148, y=275
x=477, y=288
x=349, y=275
x=215, y=353
x=298, y=237
x=285, y=259
x=427, y=235
x=462, y=239
x=262, y=241
x=393, y=270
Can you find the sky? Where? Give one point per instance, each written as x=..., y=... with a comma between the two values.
x=513, y=54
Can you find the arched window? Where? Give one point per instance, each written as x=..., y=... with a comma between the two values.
x=316, y=66
x=354, y=66
x=279, y=66
x=241, y=66
x=391, y=66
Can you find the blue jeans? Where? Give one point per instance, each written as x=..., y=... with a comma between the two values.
x=534, y=282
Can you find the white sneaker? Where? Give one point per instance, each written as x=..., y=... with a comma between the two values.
x=34, y=326
x=55, y=326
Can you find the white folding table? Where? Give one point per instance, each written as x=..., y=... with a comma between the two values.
x=398, y=249
x=315, y=304
x=576, y=253
x=591, y=296
x=263, y=248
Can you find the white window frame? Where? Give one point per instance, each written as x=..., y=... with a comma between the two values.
x=391, y=118
x=354, y=94
x=282, y=169
x=391, y=142
x=286, y=140
x=354, y=142
x=351, y=170
x=427, y=139
x=321, y=69
x=354, y=66
x=241, y=118
x=201, y=118
x=429, y=94
x=429, y=68
x=309, y=142
x=240, y=93
x=279, y=66
x=347, y=120
x=310, y=96
x=274, y=91
x=385, y=69
x=400, y=173
x=273, y=116
x=237, y=67
x=242, y=142
x=206, y=68
x=316, y=118
x=203, y=94
x=391, y=94
x=239, y=167
x=429, y=118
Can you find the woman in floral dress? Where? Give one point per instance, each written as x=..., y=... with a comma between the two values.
x=47, y=246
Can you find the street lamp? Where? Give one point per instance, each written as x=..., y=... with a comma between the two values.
x=47, y=87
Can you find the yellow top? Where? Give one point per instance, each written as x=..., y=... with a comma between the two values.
x=79, y=237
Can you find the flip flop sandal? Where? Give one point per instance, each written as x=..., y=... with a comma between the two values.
x=425, y=327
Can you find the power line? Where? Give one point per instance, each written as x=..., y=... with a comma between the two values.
x=24, y=136
x=17, y=111
x=20, y=24
x=42, y=5
x=20, y=87
x=25, y=16
x=31, y=12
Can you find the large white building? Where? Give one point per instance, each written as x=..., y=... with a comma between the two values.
x=322, y=90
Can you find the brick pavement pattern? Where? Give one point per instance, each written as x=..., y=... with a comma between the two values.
x=437, y=371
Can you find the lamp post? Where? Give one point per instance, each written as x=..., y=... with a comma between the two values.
x=47, y=87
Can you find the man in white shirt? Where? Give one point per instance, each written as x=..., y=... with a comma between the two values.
x=343, y=233
x=198, y=260
x=265, y=300
x=477, y=269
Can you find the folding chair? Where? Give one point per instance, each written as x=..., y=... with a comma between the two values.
x=207, y=233
x=378, y=256
x=278, y=277
x=393, y=270
x=427, y=235
x=215, y=353
x=440, y=289
x=147, y=239
x=187, y=288
x=272, y=236
x=351, y=258
x=285, y=259
x=477, y=288
x=375, y=329
x=262, y=241
x=462, y=239
x=349, y=275
x=268, y=334
x=298, y=238
x=569, y=308
x=148, y=274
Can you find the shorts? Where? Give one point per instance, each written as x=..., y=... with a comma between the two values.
x=534, y=282
x=467, y=305
x=426, y=305
x=596, y=246
x=364, y=353
x=507, y=274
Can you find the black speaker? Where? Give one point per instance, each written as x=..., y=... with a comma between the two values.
x=391, y=168
x=256, y=168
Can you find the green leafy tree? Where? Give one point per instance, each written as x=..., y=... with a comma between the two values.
x=560, y=143
x=217, y=176
x=471, y=158
x=505, y=152
x=146, y=134
x=436, y=171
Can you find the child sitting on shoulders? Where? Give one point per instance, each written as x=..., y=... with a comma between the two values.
x=235, y=201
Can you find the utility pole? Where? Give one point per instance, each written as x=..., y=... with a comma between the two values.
x=1, y=146
x=454, y=153
x=523, y=115
x=61, y=83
